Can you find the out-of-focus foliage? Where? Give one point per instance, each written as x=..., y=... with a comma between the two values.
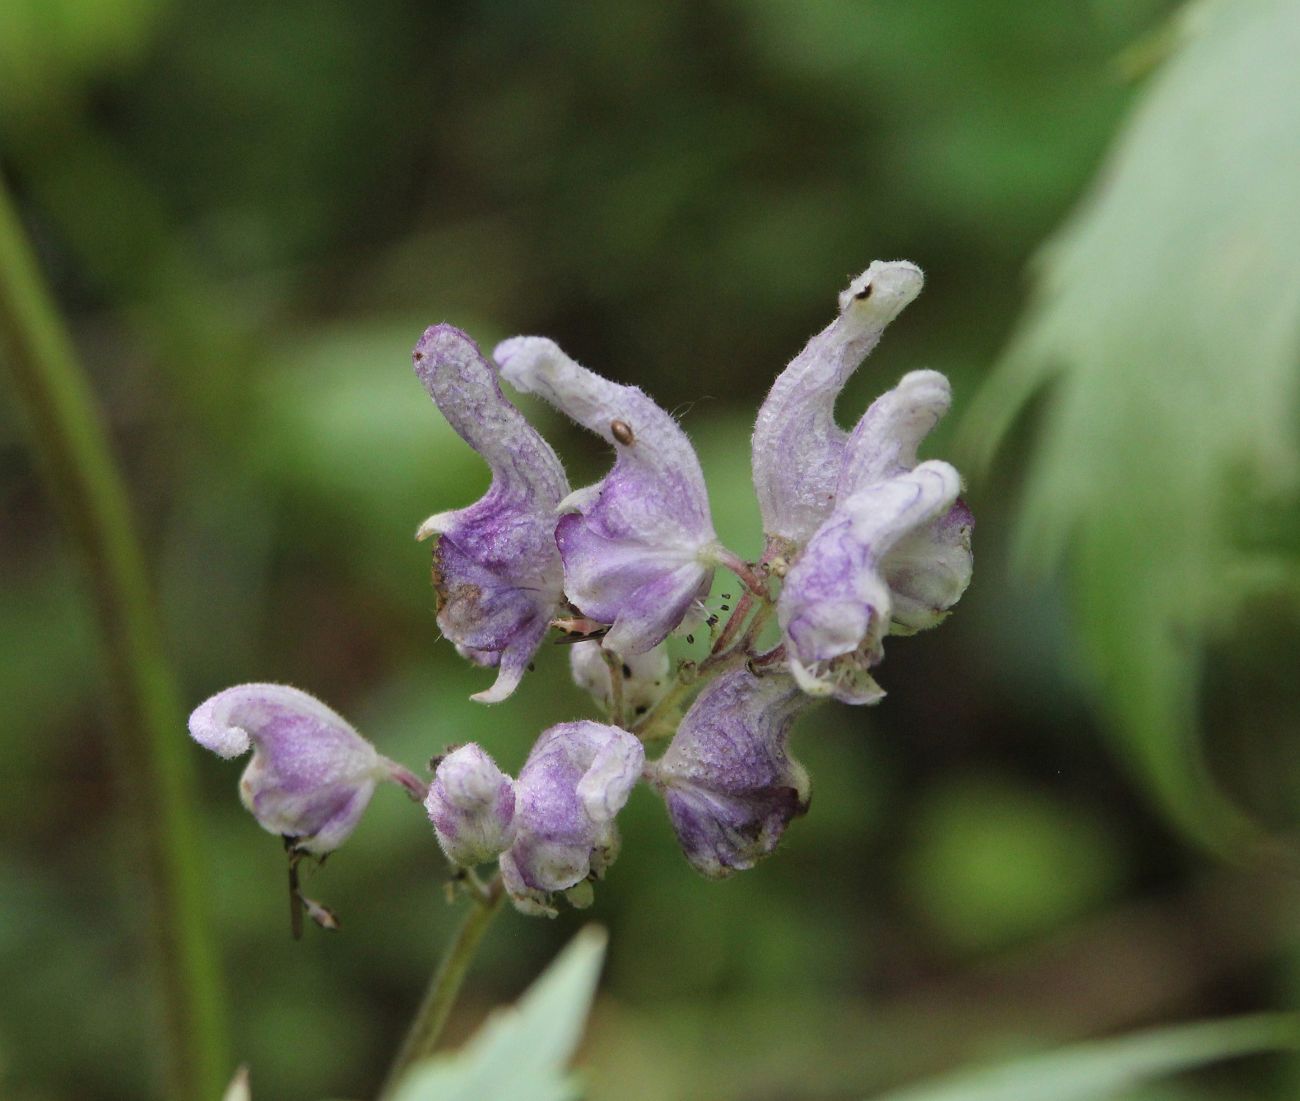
x=521, y=1054
x=1167, y=317
x=1102, y=1070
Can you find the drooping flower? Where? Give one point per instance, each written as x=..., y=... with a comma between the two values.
x=496, y=568
x=311, y=774
x=836, y=605
x=798, y=448
x=471, y=804
x=576, y=779
x=639, y=546
x=645, y=676
x=927, y=570
x=730, y=785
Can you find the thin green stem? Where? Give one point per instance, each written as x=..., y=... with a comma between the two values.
x=615, y=665
x=444, y=986
x=148, y=752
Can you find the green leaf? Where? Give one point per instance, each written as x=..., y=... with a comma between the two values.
x=1099, y=1070
x=1167, y=315
x=520, y=1054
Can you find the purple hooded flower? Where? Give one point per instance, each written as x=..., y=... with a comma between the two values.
x=798, y=448
x=836, y=605
x=638, y=546
x=310, y=776
x=729, y=784
x=576, y=779
x=927, y=570
x=496, y=569
x=471, y=803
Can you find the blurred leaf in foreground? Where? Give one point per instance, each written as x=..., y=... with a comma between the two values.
x=1101, y=1069
x=1168, y=315
x=521, y=1054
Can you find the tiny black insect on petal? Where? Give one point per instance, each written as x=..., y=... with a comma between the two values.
x=864, y=293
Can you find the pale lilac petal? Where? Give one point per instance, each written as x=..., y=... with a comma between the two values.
x=798, y=448
x=929, y=569
x=471, y=804
x=835, y=607
x=311, y=774
x=885, y=439
x=730, y=785
x=497, y=571
x=639, y=546
x=576, y=779
x=645, y=676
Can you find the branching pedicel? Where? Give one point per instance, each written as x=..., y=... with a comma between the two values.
x=862, y=542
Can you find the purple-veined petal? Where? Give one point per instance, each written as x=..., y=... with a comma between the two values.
x=311, y=774
x=471, y=804
x=497, y=571
x=639, y=546
x=798, y=448
x=576, y=779
x=730, y=785
x=835, y=607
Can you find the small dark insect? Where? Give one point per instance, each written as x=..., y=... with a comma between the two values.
x=726, y=607
x=690, y=638
x=417, y=356
x=627, y=670
x=622, y=432
x=864, y=293
x=532, y=667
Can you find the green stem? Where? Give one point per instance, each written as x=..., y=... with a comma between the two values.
x=154, y=782
x=444, y=986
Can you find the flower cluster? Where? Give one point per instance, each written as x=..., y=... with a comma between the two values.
x=863, y=541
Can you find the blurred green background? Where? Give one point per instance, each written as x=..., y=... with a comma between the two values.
x=249, y=212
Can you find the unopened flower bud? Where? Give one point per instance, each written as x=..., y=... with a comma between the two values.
x=576, y=779
x=471, y=803
x=645, y=676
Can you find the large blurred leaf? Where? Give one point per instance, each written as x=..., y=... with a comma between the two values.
x=1168, y=315
x=1099, y=1070
x=521, y=1054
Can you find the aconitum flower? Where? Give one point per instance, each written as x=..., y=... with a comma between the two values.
x=927, y=570
x=798, y=448
x=496, y=568
x=311, y=774
x=576, y=779
x=471, y=803
x=638, y=546
x=836, y=605
x=730, y=785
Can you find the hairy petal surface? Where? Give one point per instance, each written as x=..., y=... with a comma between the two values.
x=311, y=774
x=929, y=569
x=471, y=804
x=836, y=606
x=575, y=781
x=729, y=784
x=798, y=448
x=639, y=546
x=496, y=568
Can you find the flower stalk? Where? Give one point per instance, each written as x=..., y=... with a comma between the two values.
x=444, y=987
x=154, y=772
